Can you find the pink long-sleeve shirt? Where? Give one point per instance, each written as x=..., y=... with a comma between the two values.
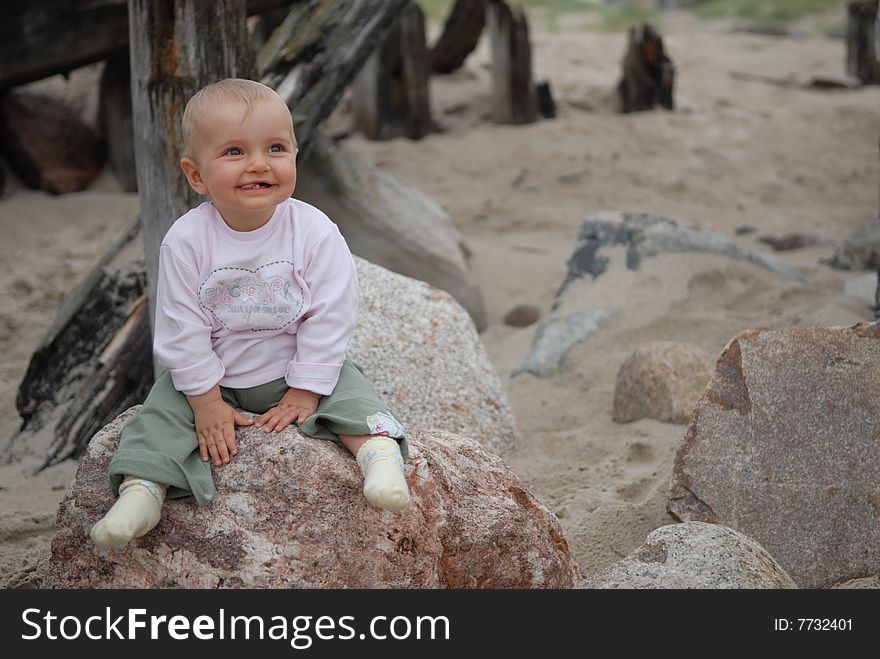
x=240, y=309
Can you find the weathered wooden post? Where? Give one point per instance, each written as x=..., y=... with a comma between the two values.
x=513, y=94
x=862, y=29
x=391, y=92
x=648, y=73
x=460, y=35
x=177, y=47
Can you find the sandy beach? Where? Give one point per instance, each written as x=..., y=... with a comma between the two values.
x=735, y=152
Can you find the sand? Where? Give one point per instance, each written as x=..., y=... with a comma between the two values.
x=734, y=152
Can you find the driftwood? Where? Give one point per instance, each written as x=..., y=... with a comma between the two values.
x=39, y=39
x=513, y=94
x=648, y=73
x=460, y=35
x=390, y=94
x=546, y=104
x=46, y=144
x=389, y=223
x=862, y=49
x=317, y=52
x=816, y=83
x=260, y=28
x=94, y=362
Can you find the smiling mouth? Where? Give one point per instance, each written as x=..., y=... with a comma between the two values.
x=256, y=186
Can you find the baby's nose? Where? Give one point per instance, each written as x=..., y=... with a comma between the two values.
x=258, y=162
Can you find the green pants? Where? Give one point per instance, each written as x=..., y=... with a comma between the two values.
x=160, y=443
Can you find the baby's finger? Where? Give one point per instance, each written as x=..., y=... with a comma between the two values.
x=220, y=443
x=229, y=436
x=275, y=415
x=285, y=420
x=242, y=420
x=211, y=443
x=203, y=448
x=261, y=421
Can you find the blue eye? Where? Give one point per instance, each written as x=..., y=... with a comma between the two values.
x=233, y=151
x=276, y=148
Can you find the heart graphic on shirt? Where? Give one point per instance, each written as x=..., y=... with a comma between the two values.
x=266, y=299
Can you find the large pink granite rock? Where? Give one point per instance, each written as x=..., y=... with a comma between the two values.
x=784, y=446
x=290, y=513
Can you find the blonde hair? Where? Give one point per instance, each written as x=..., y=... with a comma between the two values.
x=230, y=90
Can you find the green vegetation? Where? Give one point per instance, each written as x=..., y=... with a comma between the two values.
x=764, y=11
x=602, y=16
x=770, y=14
x=437, y=9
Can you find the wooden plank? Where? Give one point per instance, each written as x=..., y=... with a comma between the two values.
x=39, y=39
x=318, y=51
x=461, y=32
x=513, y=93
x=66, y=372
x=391, y=93
x=862, y=49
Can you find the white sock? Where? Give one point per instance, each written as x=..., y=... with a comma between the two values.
x=136, y=511
x=382, y=465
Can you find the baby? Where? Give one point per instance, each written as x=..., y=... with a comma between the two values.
x=256, y=301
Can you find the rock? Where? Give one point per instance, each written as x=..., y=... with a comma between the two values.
x=861, y=251
x=522, y=315
x=46, y=145
x=555, y=336
x=648, y=235
x=389, y=223
x=863, y=288
x=783, y=446
x=423, y=356
x=290, y=514
x=858, y=584
x=662, y=381
x=695, y=555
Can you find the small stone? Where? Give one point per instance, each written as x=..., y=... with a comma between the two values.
x=662, y=381
x=522, y=315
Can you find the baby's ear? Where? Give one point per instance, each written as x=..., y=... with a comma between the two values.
x=193, y=175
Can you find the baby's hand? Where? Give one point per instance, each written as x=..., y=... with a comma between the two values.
x=215, y=426
x=295, y=406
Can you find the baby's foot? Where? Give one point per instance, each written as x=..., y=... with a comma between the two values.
x=382, y=465
x=136, y=512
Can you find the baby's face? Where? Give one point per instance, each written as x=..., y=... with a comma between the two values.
x=245, y=162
